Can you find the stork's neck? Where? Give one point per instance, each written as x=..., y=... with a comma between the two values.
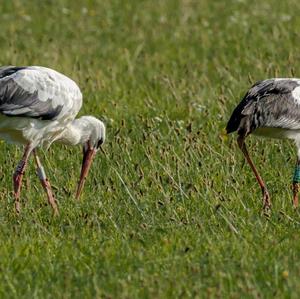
x=75, y=133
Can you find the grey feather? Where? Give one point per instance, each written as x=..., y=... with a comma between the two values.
x=15, y=101
x=268, y=103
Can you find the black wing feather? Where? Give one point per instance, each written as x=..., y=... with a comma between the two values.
x=9, y=70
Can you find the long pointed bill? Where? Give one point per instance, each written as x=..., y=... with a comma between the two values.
x=86, y=164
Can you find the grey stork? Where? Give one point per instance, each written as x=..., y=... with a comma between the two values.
x=38, y=107
x=270, y=108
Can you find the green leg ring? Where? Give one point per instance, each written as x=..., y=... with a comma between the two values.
x=296, y=178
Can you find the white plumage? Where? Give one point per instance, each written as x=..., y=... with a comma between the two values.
x=37, y=107
x=51, y=87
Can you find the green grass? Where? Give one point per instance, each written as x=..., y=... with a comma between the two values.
x=171, y=210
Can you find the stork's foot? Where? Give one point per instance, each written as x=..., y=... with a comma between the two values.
x=266, y=199
x=51, y=199
x=296, y=189
x=46, y=184
x=17, y=207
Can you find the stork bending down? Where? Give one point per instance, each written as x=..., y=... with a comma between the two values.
x=271, y=108
x=37, y=107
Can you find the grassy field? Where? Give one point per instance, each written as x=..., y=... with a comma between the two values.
x=171, y=210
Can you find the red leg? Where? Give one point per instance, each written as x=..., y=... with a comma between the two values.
x=45, y=183
x=266, y=196
x=295, y=194
x=18, y=176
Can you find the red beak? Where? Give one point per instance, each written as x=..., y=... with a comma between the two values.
x=86, y=164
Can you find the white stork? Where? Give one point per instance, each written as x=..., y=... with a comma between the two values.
x=270, y=108
x=37, y=107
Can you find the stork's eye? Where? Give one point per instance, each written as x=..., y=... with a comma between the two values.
x=100, y=142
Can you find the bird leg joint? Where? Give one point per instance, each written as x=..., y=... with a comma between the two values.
x=20, y=167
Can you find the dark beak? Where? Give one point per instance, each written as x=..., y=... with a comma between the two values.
x=88, y=156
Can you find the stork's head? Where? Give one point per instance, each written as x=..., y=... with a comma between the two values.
x=93, y=136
